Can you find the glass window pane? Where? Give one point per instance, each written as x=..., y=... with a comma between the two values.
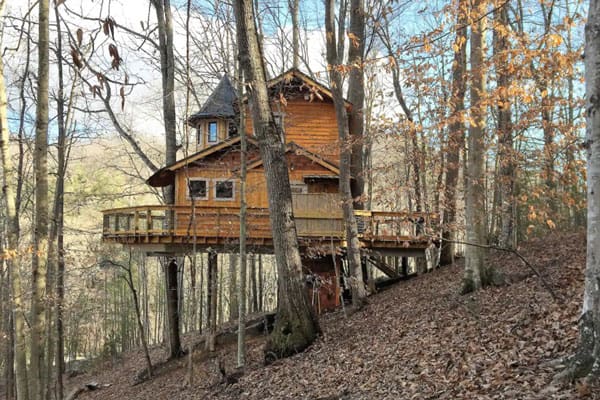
x=212, y=132
x=198, y=189
x=224, y=190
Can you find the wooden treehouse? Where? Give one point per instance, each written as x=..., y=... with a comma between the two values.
x=206, y=213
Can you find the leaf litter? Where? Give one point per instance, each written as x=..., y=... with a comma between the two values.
x=417, y=340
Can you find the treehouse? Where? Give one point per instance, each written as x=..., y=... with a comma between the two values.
x=206, y=213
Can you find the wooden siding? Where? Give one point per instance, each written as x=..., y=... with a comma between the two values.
x=223, y=167
x=311, y=125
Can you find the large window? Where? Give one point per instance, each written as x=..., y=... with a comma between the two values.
x=212, y=132
x=198, y=189
x=224, y=190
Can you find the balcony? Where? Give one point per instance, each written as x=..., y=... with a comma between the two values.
x=319, y=221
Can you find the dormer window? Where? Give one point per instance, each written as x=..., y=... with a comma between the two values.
x=211, y=132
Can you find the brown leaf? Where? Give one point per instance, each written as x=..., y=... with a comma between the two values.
x=101, y=79
x=105, y=27
x=122, y=94
x=76, y=59
x=111, y=25
x=282, y=99
x=79, y=37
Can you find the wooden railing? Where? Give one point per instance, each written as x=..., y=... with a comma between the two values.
x=316, y=215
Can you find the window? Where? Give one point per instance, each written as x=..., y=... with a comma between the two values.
x=232, y=128
x=212, y=132
x=198, y=189
x=298, y=188
x=224, y=190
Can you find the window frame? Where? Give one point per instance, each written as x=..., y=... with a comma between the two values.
x=194, y=179
x=208, y=137
x=214, y=190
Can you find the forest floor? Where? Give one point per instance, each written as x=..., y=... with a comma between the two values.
x=416, y=340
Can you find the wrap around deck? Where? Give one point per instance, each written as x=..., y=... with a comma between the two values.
x=318, y=222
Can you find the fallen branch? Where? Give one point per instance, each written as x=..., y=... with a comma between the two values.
x=513, y=251
x=88, y=387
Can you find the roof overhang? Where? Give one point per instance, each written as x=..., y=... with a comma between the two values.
x=166, y=175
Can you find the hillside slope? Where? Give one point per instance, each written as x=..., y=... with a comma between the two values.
x=417, y=340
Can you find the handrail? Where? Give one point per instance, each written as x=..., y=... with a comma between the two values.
x=161, y=220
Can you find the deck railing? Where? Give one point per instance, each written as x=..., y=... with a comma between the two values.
x=316, y=215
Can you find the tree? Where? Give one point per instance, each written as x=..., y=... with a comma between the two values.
x=56, y=232
x=456, y=134
x=506, y=156
x=356, y=96
x=296, y=325
x=39, y=264
x=22, y=387
x=359, y=292
x=475, y=275
x=241, y=294
x=167, y=68
x=586, y=361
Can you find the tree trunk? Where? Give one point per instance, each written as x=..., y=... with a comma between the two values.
x=138, y=318
x=359, y=292
x=233, y=297
x=167, y=68
x=13, y=245
x=241, y=294
x=586, y=361
x=175, y=349
x=211, y=300
x=294, y=6
x=39, y=264
x=253, y=283
x=506, y=156
x=296, y=326
x=475, y=275
x=456, y=135
x=356, y=96
x=260, y=283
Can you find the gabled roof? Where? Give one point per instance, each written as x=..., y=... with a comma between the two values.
x=307, y=80
x=165, y=175
x=219, y=103
x=297, y=149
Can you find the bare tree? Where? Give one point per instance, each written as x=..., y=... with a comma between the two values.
x=506, y=154
x=456, y=134
x=39, y=264
x=167, y=67
x=359, y=292
x=475, y=269
x=296, y=326
x=8, y=191
x=586, y=360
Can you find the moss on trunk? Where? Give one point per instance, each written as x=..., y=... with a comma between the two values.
x=292, y=334
x=583, y=362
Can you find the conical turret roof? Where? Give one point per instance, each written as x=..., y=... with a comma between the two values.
x=219, y=103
